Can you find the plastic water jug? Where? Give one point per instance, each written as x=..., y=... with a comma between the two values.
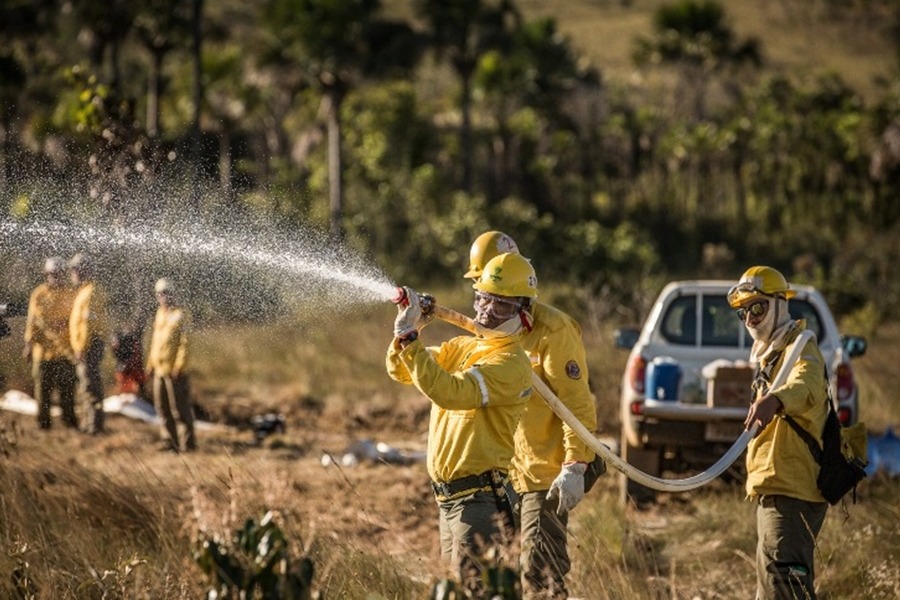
x=663, y=378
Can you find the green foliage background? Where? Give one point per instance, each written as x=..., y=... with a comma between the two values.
x=684, y=144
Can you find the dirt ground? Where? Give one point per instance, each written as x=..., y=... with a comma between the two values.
x=309, y=472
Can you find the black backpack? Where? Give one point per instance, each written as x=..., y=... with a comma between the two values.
x=837, y=474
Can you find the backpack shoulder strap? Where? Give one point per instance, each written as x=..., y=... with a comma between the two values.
x=806, y=436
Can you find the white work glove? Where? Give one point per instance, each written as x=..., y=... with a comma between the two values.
x=569, y=486
x=409, y=316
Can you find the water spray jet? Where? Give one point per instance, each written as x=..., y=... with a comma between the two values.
x=298, y=264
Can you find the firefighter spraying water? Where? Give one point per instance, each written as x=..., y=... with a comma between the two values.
x=432, y=309
x=478, y=387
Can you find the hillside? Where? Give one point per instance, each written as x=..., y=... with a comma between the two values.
x=799, y=38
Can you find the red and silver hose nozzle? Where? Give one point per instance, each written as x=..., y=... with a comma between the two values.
x=401, y=297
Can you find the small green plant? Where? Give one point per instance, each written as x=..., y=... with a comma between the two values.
x=254, y=563
x=498, y=582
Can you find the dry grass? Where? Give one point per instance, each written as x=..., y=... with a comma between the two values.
x=112, y=517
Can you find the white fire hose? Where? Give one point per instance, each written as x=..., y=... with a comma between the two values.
x=656, y=483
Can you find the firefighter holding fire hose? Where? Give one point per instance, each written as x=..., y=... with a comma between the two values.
x=551, y=461
x=478, y=386
x=781, y=471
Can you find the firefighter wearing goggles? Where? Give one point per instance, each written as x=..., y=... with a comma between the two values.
x=781, y=471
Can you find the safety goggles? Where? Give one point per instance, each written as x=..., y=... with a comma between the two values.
x=757, y=309
x=496, y=306
x=743, y=292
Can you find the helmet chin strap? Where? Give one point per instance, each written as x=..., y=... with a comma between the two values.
x=527, y=320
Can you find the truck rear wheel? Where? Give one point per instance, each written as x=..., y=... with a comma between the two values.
x=648, y=460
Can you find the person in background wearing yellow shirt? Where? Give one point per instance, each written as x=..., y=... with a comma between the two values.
x=47, y=344
x=166, y=365
x=781, y=471
x=478, y=386
x=552, y=468
x=88, y=330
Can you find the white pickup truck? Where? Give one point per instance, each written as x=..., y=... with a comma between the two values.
x=686, y=387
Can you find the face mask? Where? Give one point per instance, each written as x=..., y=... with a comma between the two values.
x=776, y=316
x=507, y=328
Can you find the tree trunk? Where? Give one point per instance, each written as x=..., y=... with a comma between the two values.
x=114, y=53
x=225, y=163
x=197, y=50
x=153, y=88
x=465, y=134
x=335, y=169
x=6, y=131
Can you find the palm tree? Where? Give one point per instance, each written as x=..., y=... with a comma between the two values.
x=694, y=35
x=336, y=45
x=161, y=26
x=12, y=82
x=540, y=71
x=464, y=31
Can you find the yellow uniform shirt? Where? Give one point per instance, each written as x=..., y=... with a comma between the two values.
x=47, y=324
x=543, y=441
x=89, y=317
x=778, y=460
x=478, y=388
x=168, y=345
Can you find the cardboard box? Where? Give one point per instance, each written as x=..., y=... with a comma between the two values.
x=730, y=387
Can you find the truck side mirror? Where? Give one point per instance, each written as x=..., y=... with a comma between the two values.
x=626, y=337
x=854, y=345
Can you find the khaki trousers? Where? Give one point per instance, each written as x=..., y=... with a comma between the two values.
x=545, y=557
x=787, y=528
x=171, y=397
x=469, y=527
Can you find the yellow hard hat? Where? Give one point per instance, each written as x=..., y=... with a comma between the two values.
x=509, y=275
x=759, y=281
x=485, y=247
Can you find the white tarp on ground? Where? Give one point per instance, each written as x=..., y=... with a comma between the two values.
x=127, y=405
x=374, y=452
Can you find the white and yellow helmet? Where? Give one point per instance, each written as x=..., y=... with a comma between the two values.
x=485, y=247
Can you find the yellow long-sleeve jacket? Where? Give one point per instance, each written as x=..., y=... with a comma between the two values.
x=168, y=345
x=478, y=388
x=778, y=460
x=89, y=317
x=47, y=324
x=543, y=441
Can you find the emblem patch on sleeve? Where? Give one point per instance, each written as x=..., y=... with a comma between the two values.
x=573, y=370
